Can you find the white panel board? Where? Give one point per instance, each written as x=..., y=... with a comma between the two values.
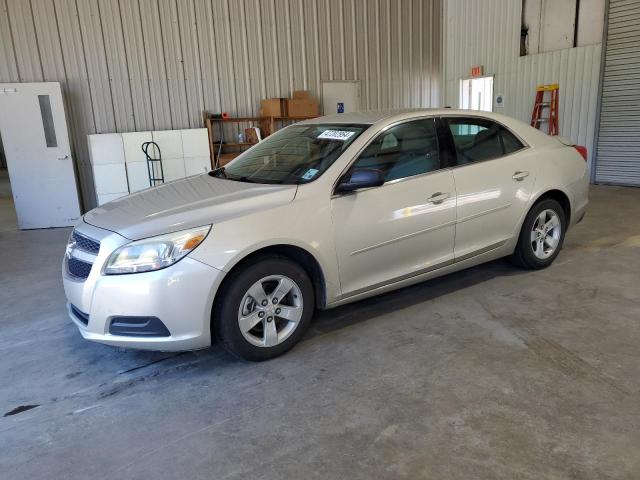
x=173, y=169
x=137, y=176
x=195, y=142
x=170, y=143
x=110, y=178
x=197, y=165
x=109, y=197
x=106, y=148
x=133, y=146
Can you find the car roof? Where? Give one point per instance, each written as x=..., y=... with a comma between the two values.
x=369, y=117
x=382, y=118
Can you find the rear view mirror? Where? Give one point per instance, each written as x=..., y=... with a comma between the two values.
x=360, y=178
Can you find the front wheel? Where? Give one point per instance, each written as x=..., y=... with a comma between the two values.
x=264, y=309
x=541, y=236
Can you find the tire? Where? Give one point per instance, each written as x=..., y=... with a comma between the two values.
x=537, y=254
x=241, y=303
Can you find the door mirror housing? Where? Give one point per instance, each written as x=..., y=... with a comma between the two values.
x=360, y=178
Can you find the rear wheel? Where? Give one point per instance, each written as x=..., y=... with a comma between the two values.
x=541, y=236
x=264, y=308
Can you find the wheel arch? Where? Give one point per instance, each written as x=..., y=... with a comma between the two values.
x=295, y=253
x=558, y=195
x=551, y=193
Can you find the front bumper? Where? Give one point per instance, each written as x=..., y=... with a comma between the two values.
x=180, y=296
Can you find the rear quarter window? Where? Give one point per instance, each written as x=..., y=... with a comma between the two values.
x=510, y=141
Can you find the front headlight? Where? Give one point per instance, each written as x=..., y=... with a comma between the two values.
x=154, y=253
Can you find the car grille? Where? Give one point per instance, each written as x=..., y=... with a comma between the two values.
x=78, y=268
x=86, y=243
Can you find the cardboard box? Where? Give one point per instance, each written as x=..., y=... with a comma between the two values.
x=303, y=107
x=301, y=94
x=273, y=107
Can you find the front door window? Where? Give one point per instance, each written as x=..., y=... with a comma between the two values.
x=404, y=150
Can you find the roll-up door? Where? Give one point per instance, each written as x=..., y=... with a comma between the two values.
x=618, y=147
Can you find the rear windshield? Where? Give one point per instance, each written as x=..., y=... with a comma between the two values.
x=293, y=155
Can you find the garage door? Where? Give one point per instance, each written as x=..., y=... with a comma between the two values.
x=618, y=148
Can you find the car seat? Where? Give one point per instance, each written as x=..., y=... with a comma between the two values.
x=486, y=144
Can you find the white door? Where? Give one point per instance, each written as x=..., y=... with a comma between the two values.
x=406, y=226
x=477, y=94
x=494, y=175
x=36, y=143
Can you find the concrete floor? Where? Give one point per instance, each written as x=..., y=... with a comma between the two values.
x=492, y=373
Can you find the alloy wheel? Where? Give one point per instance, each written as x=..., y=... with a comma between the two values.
x=546, y=234
x=270, y=311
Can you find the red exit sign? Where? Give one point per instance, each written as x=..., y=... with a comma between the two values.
x=477, y=71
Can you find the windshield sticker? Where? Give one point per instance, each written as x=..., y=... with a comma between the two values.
x=310, y=174
x=336, y=135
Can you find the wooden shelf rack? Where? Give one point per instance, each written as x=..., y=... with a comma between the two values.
x=267, y=126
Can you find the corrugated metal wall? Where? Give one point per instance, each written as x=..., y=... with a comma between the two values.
x=487, y=32
x=132, y=65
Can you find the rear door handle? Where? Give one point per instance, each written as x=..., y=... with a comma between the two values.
x=519, y=176
x=438, y=198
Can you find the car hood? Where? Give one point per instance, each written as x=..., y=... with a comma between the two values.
x=186, y=203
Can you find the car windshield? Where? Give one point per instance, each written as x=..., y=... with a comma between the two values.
x=296, y=154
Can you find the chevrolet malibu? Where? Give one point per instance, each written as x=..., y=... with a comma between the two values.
x=322, y=213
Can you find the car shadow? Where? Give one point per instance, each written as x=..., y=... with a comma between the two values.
x=328, y=321
x=130, y=361
x=104, y=371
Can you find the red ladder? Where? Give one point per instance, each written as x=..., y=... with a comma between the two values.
x=549, y=103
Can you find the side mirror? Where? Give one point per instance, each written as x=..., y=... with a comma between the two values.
x=360, y=178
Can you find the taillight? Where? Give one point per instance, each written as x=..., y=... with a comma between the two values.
x=582, y=151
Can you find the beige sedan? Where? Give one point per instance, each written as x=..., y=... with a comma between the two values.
x=322, y=213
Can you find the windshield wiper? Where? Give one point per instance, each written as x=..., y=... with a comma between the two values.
x=218, y=172
x=221, y=173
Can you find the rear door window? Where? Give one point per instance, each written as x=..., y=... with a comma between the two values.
x=479, y=139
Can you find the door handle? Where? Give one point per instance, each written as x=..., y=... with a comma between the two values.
x=519, y=176
x=66, y=157
x=438, y=198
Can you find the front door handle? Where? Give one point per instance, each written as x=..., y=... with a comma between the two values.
x=519, y=176
x=438, y=198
